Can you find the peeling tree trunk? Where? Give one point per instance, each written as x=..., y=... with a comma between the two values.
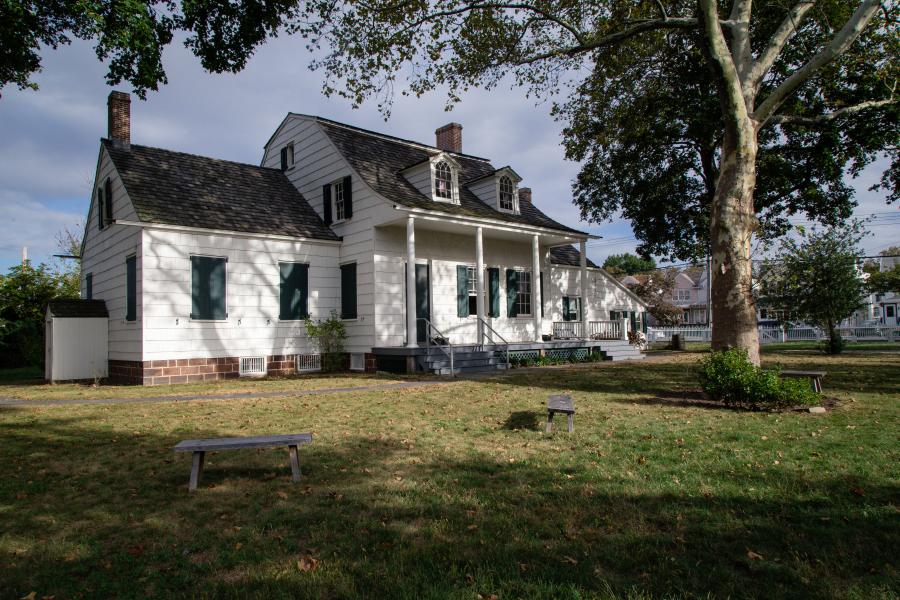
x=732, y=226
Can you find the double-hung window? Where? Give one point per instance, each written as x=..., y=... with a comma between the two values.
x=507, y=194
x=337, y=195
x=208, y=288
x=571, y=308
x=523, y=296
x=682, y=295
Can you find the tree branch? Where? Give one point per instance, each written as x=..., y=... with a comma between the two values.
x=828, y=117
x=740, y=36
x=721, y=55
x=614, y=38
x=838, y=45
x=777, y=42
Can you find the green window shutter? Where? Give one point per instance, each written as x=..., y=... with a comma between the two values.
x=131, y=288
x=512, y=291
x=462, y=291
x=644, y=321
x=89, y=286
x=348, y=291
x=294, y=291
x=634, y=320
x=494, y=292
x=613, y=315
x=543, y=298
x=565, y=308
x=208, y=288
x=284, y=164
x=348, y=197
x=326, y=204
x=100, y=209
x=108, y=201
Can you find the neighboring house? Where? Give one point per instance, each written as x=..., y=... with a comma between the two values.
x=209, y=267
x=691, y=294
x=885, y=308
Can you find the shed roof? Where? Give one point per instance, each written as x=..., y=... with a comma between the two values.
x=78, y=309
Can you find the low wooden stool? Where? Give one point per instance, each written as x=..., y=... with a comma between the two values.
x=560, y=404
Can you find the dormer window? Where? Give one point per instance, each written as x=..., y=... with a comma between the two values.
x=443, y=181
x=507, y=194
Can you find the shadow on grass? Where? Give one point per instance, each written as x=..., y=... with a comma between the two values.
x=523, y=419
x=102, y=514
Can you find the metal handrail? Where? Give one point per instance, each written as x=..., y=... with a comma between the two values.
x=431, y=328
x=505, y=343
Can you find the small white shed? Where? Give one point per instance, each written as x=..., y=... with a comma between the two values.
x=77, y=340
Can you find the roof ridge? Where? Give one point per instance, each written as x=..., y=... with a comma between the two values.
x=388, y=137
x=221, y=160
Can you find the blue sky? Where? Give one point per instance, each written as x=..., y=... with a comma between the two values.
x=49, y=138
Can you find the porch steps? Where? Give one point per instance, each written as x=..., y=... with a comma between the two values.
x=618, y=350
x=466, y=359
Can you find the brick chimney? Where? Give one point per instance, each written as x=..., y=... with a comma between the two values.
x=525, y=194
x=119, y=108
x=449, y=137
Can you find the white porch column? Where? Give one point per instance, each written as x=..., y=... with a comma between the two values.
x=582, y=247
x=536, y=286
x=479, y=283
x=411, y=282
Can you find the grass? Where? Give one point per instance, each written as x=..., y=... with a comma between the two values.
x=455, y=492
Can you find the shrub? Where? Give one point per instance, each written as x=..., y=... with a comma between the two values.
x=330, y=335
x=728, y=376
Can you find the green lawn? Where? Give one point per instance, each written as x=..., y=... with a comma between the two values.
x=454, y=492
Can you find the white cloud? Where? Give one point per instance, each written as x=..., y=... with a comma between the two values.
x=27, y=222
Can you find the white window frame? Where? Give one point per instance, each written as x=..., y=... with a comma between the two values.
x=454, y=180
x=473, y=288
x=529, y=296
x=290, y=155
x=514, y=198
x=683, y=295
x=336, y=187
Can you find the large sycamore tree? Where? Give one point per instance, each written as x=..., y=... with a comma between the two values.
x=790, y=93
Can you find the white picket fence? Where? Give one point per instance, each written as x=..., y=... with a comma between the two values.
x=777, y=335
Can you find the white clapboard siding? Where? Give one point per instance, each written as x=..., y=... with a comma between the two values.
x=316, y=163
x=603, y=294
x=486, y=190
x=104, y=255
x=420, y=178
x=252, y=295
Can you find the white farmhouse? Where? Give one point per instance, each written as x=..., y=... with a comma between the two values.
x=208, y=267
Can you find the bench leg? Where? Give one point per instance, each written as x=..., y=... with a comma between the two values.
x=817, y=385
x=549, y=421
x=571, y=423
x=196, y=470
x=295, y=463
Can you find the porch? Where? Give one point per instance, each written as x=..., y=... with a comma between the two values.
x=440, y=356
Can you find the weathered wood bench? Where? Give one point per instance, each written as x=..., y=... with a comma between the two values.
x=201, y=447
x=560, y=404
x=815, y=378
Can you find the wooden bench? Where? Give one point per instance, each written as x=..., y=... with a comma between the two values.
x=560, y=404
x=201, y=447
x=815, y=378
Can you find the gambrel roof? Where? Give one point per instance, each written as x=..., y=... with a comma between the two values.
x=380, y=160
x=175, y=188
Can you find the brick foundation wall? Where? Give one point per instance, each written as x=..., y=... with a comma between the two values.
x=192, y=370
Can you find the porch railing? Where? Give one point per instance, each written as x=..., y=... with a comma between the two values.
x=446, y=348
x=605, y=330
x=568, y=330
x=496, y=335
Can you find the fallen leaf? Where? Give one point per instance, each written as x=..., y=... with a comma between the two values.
x=238, y=546
x=30, y=596
x=857, y=491
x=570, y=560
x=472, y=526
x=307, y=563
x=753, y=555
x=282, y=495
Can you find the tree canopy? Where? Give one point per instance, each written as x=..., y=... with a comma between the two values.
x=628, y=263
x=816, y=277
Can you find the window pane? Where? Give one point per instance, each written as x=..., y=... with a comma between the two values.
x=443, y=181
x=524, y=293
x=338, y=195
x=506, y=193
